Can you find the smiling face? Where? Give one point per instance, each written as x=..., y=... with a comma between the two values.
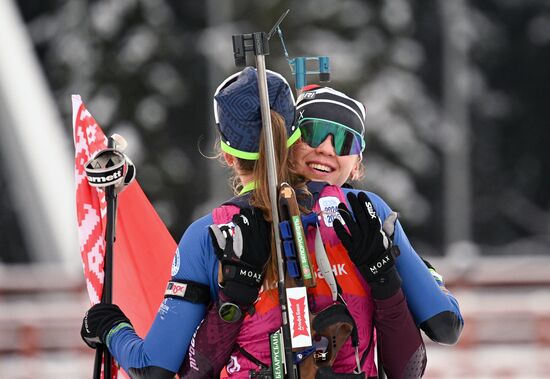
x=321, y=163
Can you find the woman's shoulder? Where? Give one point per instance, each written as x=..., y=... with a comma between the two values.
x=376, y=199
x=199, y=226
x=194, y=258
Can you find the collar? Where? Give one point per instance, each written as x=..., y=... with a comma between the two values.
x=248, y=187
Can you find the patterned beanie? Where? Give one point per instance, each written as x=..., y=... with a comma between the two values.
x=238, y=115
x=331, y=105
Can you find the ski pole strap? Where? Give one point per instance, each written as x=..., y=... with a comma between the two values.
x=250, y=357
x=188, y=290
x=105, y=168
x=110, y=167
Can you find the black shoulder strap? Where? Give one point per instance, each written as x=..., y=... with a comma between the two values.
x=188, y=290
x=241, y=201
x=250, y=357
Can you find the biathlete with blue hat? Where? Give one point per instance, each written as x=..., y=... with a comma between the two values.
x=223, y=258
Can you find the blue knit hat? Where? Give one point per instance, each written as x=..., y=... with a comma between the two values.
x=238, y=115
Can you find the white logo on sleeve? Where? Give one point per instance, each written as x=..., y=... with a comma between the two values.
x=329, y=210
x=176, y=262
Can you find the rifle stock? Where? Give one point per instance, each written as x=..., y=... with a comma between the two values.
x=289, y=211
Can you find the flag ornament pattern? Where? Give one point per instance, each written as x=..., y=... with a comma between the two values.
x=91, y=207
x=143, y=249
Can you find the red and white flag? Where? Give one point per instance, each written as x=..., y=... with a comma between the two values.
x=91, y=206
x=143, y=249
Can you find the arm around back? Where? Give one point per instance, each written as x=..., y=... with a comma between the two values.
x=434, y=309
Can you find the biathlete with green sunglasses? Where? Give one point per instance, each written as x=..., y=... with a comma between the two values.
x=331, y=150
x=358, y=230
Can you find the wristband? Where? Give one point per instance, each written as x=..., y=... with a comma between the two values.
x=232, y=271
x=382, y=264
x=386, y=285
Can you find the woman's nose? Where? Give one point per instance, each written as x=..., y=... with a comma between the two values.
x=326, y=147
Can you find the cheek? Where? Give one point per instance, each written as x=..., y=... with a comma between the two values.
x=298, y=154
x=348, y=167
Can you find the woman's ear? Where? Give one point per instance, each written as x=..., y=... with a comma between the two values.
x=229, y=159
x=356, y=171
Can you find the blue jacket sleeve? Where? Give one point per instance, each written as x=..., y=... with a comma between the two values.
x=433, y=307
x=167, y=341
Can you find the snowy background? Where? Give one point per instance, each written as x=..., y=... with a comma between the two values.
x=457, y=95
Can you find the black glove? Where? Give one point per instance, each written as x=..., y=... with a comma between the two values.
x=98, y=321
x=243, y=255
x=368, y=246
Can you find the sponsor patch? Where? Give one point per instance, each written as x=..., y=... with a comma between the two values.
x=329, y=210
x=298, y=317
x=176, y=289
x=176, y=262
x=277, y=356
x=337, y=269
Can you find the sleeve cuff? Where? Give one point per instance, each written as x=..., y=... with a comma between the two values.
x=386, y=285
x=115, y=329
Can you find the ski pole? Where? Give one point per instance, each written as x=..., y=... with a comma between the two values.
x=107, y=295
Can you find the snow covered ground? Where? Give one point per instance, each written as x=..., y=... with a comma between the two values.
x=487, y=362
x=69, y=365
x=507, y=333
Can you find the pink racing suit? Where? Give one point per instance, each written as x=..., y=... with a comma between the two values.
x=254, y=333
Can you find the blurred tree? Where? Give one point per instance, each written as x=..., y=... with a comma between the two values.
x=511, y=124
x=136, y=65
x=389, y=54
x=142, y=67
x=11, y=239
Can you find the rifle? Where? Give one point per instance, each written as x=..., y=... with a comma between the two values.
x=290, y=238
x=257, y=43
x=299, y=65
